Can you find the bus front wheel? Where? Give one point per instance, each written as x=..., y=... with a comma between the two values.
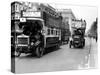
x=39, y=51
x=17, y=53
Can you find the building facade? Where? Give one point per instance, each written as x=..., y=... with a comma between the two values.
x=68, y=16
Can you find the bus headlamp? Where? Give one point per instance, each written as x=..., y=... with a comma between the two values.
x=32, y=43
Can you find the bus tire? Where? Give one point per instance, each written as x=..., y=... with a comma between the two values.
x=17, y=53
x=39, y=51
x=57, y=46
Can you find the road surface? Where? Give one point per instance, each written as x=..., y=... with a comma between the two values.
x=62, y=59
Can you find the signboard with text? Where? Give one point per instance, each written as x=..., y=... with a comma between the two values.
x=78, y=24
x=22, y=19
x=31, y=14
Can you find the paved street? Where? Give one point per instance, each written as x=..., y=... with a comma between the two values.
x=61, y=59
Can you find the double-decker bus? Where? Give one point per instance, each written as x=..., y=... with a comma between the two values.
x=40, y=30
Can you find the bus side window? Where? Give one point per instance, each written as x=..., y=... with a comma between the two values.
x=48, y=33
x=52, y=31
x=59, y=32
x=56, y=32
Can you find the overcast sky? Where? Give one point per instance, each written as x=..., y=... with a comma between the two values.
x=88, y=13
